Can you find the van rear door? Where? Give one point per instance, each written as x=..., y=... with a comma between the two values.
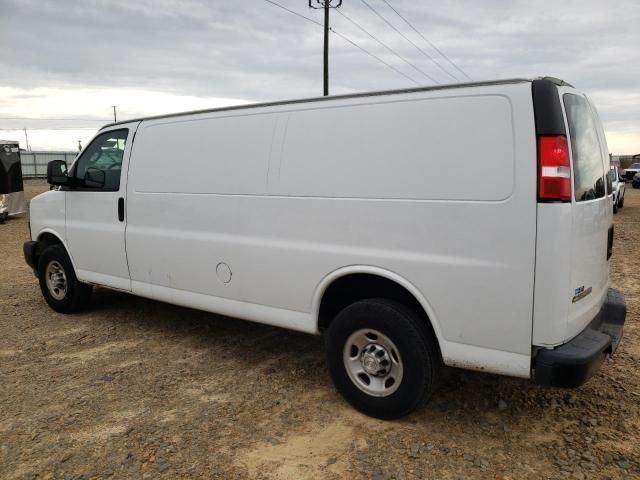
x=574, y=214
x=591, y=212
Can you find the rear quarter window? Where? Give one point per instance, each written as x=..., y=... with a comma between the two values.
x=588, y=169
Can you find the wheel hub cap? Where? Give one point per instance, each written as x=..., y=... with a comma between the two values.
x=375, y=360
x=373, y=363
x=56, y=280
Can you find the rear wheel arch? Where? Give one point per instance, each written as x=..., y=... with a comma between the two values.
x=346, y=286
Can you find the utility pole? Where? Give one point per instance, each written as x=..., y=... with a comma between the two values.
x=326, y=5
x=115, y=119
x=26, y=137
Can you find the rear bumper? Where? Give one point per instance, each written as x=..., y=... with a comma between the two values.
x=573, y=363
x=29, y=250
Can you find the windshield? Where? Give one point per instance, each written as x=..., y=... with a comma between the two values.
x=635, y=166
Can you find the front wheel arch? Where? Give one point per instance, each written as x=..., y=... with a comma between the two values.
x=65, y=293
x=47, y=238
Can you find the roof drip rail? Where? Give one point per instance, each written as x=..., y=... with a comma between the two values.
x=338, y=97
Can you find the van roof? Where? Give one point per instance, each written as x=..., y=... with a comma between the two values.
x=553, y=80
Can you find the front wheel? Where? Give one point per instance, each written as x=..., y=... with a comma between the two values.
x=382, y=357
x=58, y=282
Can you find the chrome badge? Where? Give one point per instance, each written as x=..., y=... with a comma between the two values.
x=580, y=293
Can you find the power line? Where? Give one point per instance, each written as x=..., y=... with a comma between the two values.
x=345, y=39
x=407, y=39
x=428, y=41
x=388, y=48
x=374, y=56
x=291, y=11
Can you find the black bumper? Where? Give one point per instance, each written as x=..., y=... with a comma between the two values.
x=573, y=363
x=29, y=250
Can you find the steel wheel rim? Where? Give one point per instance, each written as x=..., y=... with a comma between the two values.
x=56, y=280
x=373, y=362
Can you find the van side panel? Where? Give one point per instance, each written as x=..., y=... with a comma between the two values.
x=227, y=155
x=402, y=150
x=437, y=187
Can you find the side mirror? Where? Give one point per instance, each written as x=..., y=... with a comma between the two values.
x=94, y=178
x=57, y=173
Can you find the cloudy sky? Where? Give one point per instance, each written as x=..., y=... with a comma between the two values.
x=64, y=63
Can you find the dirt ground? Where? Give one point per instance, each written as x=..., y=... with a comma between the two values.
x=133, y=388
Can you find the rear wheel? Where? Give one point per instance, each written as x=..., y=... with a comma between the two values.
x=621, y=202
x=58, y=282
x=382, y=357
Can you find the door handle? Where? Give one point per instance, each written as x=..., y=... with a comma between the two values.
x=121, y=209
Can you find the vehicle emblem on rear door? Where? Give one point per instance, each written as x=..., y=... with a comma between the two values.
x=580, y=293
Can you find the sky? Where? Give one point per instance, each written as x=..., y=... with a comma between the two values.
x=64, y=63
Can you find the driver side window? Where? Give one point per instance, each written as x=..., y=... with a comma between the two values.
x=100, y=165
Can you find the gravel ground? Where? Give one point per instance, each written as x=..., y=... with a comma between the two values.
x=133, y=388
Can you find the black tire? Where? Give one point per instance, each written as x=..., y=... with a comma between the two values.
x=76, y=295
x=416, y=348
x=615, y=207
x=621, y=202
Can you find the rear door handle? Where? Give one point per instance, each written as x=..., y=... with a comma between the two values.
x=121, y=209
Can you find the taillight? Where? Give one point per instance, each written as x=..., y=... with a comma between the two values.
x=554, y=169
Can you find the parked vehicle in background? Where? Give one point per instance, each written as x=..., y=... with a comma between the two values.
x=12, y=199
x=330, y=215
x=629, y=173
x=617, y=188
x=636, y=181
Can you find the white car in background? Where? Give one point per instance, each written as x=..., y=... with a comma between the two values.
x=617, y=189
x=629, y=173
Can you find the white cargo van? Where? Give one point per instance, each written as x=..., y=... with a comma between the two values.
x=466, y=225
